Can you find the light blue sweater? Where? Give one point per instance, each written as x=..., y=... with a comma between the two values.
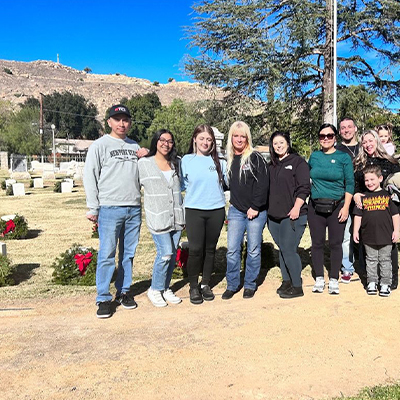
x=200, y=180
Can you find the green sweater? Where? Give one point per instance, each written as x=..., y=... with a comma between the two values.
x=332, y=175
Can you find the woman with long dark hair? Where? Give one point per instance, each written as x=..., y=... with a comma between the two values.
x=289, y=187
x=372, y=152
x=159, y=174
x=203, y=174
x=332, y=189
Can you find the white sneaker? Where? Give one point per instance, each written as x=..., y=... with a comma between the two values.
x=171, y=297
x=333, y=286
x=319, y=285
x=156, y=298
x=372, y=288
x=385, y=291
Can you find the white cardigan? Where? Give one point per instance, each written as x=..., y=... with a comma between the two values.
x=163, y=203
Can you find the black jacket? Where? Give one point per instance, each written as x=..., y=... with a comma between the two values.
x=250, y=188
x=289, y=179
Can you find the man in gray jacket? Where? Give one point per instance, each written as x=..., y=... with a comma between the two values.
x=113, y=198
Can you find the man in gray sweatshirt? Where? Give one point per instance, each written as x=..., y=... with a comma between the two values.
x=113, y=197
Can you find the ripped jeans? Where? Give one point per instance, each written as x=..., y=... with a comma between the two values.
x=164, y=264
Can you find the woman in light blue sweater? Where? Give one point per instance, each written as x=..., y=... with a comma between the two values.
x=203, y=174
x=163, y=205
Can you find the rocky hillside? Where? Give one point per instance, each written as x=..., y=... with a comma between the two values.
x=19, y=80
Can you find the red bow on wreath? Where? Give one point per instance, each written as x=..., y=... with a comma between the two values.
x=182, y=256
x=10, y=227
x=83, y=260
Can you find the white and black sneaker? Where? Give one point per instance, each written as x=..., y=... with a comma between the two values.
x=385, y=291
x=319, y=285
x=333, y=287
x=104, y=309
x=372, y=288
x=126, y=300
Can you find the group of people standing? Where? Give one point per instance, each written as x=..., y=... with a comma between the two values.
x=275, y=194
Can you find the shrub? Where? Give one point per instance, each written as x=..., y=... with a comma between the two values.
x=6, y=271
x=31, y=184
x=156, y=83
x=57, y=187
x=3, y=185
x=7, y=71
x=76, y=266
x=9, y=190
x=15, y=228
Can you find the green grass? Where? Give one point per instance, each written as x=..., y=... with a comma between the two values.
x=386, y=392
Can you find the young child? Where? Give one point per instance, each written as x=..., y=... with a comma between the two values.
x=379, y=221
x=112, y=189
x=386, y=135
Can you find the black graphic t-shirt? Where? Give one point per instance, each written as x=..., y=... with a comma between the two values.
x=377, y=224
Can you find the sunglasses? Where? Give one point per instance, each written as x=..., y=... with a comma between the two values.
x=328, y=136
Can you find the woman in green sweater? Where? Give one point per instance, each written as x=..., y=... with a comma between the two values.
x=332, y=189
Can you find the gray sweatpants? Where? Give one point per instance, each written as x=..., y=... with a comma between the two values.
x=379, y=255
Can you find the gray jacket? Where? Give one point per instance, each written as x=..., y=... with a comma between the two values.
x=163, y=203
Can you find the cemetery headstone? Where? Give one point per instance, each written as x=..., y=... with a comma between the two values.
x=10, y=182
x=38, y=183
x=3, y=249
x=18, y=189
x=66, y=187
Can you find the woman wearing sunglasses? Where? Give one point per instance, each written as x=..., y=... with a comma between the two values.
x=332, y=189
x=159, y=175
x=372, y=152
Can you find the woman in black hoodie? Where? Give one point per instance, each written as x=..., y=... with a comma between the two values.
x=287, y=210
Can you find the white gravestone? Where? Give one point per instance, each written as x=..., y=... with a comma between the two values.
x=38, y=183
x=66, y=187
x=3, y=249
x=10, y=182
x=70, y=181
x=18, y=189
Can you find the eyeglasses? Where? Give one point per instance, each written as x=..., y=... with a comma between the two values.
x=328, y=136
x=165, y=141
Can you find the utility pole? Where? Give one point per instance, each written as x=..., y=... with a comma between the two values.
x=41, y=126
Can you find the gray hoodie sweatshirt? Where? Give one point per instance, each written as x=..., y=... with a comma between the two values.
x=111, y=175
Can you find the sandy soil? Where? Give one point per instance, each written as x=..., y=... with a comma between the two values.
x=314, y=347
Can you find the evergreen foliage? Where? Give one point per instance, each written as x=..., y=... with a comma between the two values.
x=6, y=271
x=20, y=230
x=66, y=270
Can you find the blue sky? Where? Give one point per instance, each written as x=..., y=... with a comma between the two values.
x=139, y=38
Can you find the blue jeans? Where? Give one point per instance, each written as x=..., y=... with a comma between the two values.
x=123, y=224
x=238, y=224
x=164, y=264
x=287, y=234
x=348, y=248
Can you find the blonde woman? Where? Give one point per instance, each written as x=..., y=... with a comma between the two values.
x=372, y=152
x=248, y=183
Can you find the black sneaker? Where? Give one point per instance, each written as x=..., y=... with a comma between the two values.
x=228, y=294
x=104, y=310
x=195, y=296
x=395, y=281
x=292, y=292
x=207, y=293
x=248, y=293
x=284, y=286
x=126, y=300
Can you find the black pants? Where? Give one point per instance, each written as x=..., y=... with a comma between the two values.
x=203, y=228
x=318, y=223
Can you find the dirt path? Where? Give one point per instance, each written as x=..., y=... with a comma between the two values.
x=313, y=347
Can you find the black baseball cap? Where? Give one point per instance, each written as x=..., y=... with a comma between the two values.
x=119, y=109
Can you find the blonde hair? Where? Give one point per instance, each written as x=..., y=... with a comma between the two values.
x=388, y=128
x=242, y=128
x=361, y=160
